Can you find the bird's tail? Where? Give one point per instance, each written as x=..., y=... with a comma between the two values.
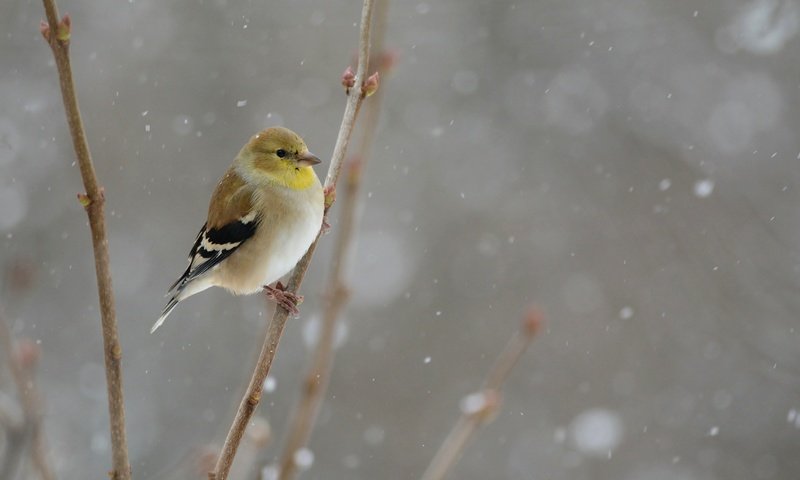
x=179, y=292
x=173, y=302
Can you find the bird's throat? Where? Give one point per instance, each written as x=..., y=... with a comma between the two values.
x=294, y=178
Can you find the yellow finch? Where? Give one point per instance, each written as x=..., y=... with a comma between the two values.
x=263, y=215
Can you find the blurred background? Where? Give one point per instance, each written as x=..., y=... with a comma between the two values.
x=630, y=166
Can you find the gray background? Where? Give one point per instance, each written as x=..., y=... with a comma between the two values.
x=631, y=166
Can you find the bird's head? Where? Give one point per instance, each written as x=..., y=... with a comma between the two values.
x=278, y=155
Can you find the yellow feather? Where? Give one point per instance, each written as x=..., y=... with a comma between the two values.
x=292, y=177
x=258, y=161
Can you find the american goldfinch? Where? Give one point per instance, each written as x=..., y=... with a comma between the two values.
x=264, y=214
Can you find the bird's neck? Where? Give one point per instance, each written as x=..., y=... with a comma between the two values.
x=293, y=178
x=289, y=177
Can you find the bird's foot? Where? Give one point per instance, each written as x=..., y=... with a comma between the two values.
x=286, y=300
x=326, y=227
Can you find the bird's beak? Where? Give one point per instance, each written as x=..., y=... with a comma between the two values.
x=307, y=159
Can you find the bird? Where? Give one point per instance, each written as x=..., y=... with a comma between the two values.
x=264, y=214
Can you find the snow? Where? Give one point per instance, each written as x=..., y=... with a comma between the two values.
x=793, y=418
x=182, y=124
x=270, y=384
x=596, y=432
x=270, y=472
x=473, y=403
x=303, y=458
x=703, y=188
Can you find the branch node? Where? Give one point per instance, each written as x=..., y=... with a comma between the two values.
x=371, y=85
x=348, y=80
x=254, y=399
x=326, y=227
x=116, y=352
x=84, y=200
x=482, y=406
x=64, y=29
x=532, y=321
x=44, y=29
x=330, y=196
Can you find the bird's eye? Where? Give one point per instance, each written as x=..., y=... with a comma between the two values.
x=280, y=152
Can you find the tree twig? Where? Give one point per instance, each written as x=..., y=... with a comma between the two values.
x=57, y=33
x=479, y=408
x=275, y=330
x=337, y=293
x=22, y=358
x=15, y=418
x=316, y=378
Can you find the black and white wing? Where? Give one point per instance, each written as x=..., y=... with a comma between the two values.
x=212, y=246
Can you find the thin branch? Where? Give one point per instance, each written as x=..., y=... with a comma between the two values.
x=338, y=292
x=57, y=33
x=7, y=344
x=15, y=441
x=15, y=419
x=253, y=394
x=353, y=101
x=317, y=376
x=22, y=358
x=480, y=408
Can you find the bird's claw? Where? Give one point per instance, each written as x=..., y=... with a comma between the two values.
x=285, y=299
x=326, y=227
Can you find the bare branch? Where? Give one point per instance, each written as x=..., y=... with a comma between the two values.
x=22, y=357
x=337, y=293
x=317, y=377
x=480, y=408
x=57, y=33
x=13, y=416
x=253, y=394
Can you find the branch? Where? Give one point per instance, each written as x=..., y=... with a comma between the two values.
x=317, y=376
x=22, y=357
x=253, y=394
x=57, y=34
x=480, y=408
x=338, y=292
x=12, y=415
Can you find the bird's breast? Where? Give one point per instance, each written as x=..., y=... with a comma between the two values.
x=288, y=225
x=290, y=244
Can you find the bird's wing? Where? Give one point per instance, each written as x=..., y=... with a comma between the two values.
x=231, y=222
